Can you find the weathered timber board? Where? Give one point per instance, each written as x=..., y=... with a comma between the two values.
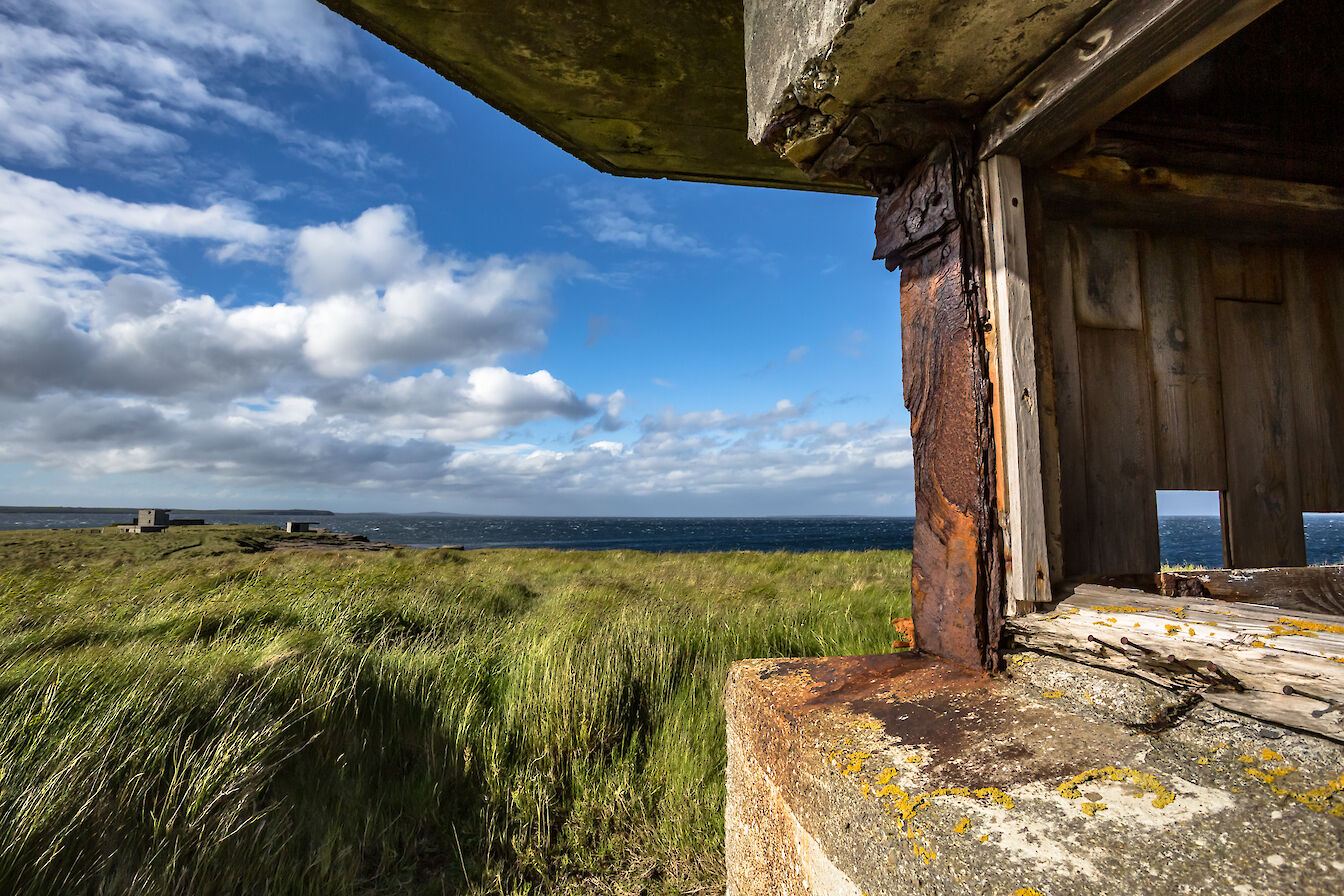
x=956, y=570
x=1126, y=50
x=1183, y=356
x=1248, y=272
x=1262, y=508
x=1314, y=300
x=1106, y=279
x=947, y=578
x=1104, y=190
x=1121, y=524
x=1305, y=589
x=1256, y=651
x=1057, y=277
x=1041, y=272
x=1017, y=426
x=917, y=215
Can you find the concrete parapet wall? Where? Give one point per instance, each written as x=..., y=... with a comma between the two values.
x=901, y=774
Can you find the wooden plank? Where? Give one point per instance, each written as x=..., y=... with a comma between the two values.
x=1109, y=191
x=1127, y=49
x=1042, y=273
x=1013, y=344
x=956, y=582
x=1121, y=524
x=1056, y=254
x=1306, y=589
x=1314, y=300
x=1262, y=507
x=1106, y=279
x=1182, y=338
x=1248, y=273
x=918, y=213
x=1237, y=656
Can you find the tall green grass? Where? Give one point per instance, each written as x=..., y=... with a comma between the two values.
x=220, y=719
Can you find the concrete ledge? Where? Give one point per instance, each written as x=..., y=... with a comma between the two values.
x=902, y=774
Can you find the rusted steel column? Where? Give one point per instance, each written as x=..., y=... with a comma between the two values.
x=928, y=226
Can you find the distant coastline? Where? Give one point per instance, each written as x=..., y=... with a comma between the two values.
x=132, y=510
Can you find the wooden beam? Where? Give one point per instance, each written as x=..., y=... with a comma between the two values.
x=1017, y=425
x=924, y=226
x=1108, y=190
x=1305, y=589
x=1126, y=50
x=1286, y=668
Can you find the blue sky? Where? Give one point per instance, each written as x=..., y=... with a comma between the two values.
x=250, y=256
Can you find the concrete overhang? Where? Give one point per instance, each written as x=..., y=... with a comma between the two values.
x=674, y=88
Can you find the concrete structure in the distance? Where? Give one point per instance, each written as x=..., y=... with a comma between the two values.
x=152, y=519
x=298, y=526
x=1118, y=227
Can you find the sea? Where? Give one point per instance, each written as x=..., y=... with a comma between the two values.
x=1185, y=540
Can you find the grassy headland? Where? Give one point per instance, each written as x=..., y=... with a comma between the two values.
x=194, y=713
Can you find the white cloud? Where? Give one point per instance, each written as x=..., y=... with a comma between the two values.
x=382, y=301
x=45, y=223
x=369, y=251
x=797, y=354
x=88, y=83
x=622, y=216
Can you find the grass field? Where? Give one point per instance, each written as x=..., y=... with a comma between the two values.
x=192, y=713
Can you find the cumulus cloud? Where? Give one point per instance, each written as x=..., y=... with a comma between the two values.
x=90, y=82
x=379, y=300
x=378, y=363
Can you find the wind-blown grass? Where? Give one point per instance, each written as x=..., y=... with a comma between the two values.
x=187, y=713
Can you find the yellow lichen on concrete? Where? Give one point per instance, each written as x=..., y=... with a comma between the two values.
x=1268, y=755
x=1052, y=695
x=961, y=826
x=1091, y=809
x=855, y=762
x=1028, y=891
x=1162, y=797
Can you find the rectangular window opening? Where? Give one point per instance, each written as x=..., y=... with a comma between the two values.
x=1190, y=529
x=1325, y=538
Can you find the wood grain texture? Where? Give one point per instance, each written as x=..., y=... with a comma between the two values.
x=1255, y=652
x=1017, y=427
x=1106, y=278
x=1126, y=50
x=1306, y=589
x=956, y=569
x=1121, y=524
x=948, y=577
x=1247, y=272
x=1042, y=272
x=1103, y=190
x=1262, y=509
x=1182, y=338
x=1314, y=300
x=916, y=216
x=1056, y=254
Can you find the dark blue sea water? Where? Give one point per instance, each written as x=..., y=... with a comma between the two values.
x=1185, y=539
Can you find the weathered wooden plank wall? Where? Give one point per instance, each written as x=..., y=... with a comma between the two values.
x=1182, y=362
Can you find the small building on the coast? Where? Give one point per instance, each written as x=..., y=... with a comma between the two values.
x=152, y=519
x=155, y=520
x=300, y=526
